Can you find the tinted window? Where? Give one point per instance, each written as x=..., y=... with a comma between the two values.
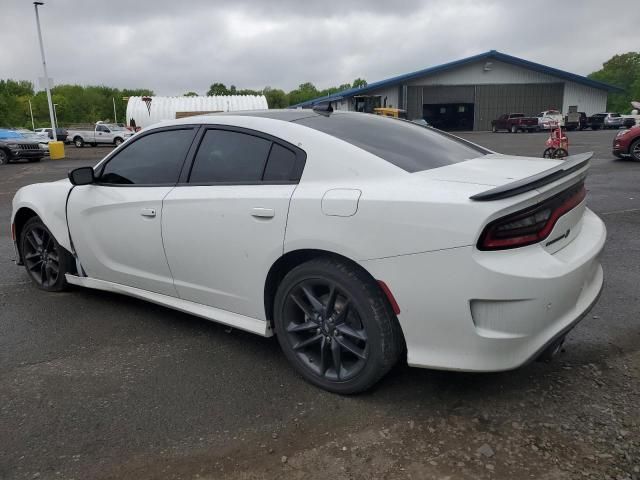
x=153, y=159
x=226, y=156
x=281, y=163
x=404, y=144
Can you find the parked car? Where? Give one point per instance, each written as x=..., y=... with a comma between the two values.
x=13, y=146
x=42, y=141
x=101, y=134
x=576, y=121
x=549, y=119
x=605, y=120
x=628, y=122
x=596, y=122
x=627, y=144
x=353, y=238
x=514, y=122
x=61, y=133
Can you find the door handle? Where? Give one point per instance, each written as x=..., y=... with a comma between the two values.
x=259, y=212
x=148, y=212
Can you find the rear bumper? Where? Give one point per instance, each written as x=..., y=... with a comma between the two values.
x=462, y=309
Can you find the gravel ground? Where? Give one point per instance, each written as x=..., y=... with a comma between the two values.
x=94, y=385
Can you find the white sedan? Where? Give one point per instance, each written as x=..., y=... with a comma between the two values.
x=354, y=238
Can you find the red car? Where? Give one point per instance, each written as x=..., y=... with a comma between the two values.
x=627, y=143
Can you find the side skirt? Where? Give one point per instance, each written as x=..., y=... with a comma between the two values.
x=235, y=320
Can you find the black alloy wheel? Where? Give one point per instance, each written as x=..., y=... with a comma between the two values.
x=45, y=260
x=335, y=326
x=325, y=330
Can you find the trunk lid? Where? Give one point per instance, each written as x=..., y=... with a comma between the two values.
x=500, y=181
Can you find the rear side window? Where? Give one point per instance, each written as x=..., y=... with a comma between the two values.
x=154, y=159
x=230, y=157
x=404, y=144
x=281, y=164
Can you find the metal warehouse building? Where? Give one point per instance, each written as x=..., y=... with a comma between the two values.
x=467, y=94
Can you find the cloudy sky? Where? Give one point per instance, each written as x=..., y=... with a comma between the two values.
x=174, y=46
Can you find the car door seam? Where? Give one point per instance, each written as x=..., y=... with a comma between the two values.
x=164, y=250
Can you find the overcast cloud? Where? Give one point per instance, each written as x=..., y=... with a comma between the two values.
x=174, y=46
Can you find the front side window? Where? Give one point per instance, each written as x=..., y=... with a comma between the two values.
x=230, y=157
x=154, y=159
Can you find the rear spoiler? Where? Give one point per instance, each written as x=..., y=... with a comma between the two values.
x=570, y=165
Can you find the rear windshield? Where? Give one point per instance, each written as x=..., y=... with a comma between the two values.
x=412, y=147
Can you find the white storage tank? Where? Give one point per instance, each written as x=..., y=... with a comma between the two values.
x=145, y=111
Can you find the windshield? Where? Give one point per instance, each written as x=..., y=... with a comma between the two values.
x=412, y=147
x=9, y=134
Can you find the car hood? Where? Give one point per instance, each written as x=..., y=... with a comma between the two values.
x=491, y=170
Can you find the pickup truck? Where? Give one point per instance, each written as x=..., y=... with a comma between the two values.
x=550, y=119
x=514, y=122
x=103, y=133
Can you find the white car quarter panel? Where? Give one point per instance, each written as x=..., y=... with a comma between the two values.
x=440, y=292
x=117, y=239
x=221, y=241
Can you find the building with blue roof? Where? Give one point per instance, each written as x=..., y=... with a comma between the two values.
x=467, y=94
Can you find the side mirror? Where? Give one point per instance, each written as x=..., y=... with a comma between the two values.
x=82, y=176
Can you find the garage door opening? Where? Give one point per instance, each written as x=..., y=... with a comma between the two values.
x=449, y=116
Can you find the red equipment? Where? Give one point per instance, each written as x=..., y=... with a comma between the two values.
x=557, y=143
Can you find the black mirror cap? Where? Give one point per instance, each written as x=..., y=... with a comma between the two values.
x=82, y=176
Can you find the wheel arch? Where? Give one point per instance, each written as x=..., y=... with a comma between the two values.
x=22, y=216
x=292, y=259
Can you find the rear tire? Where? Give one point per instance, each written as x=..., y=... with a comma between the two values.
x=45, y=260
x=514, y=129
x=494, y=129
x=117, y=142
x=335, y=326
x=78, y=142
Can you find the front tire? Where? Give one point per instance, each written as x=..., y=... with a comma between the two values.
x=4, y=157
x=45, y=260
x=117, y=142
x=494, y=129
x=335, y=326
x=514, y=129
x=634, y=151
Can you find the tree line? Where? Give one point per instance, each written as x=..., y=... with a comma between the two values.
x=74, y=103
x=87, y=104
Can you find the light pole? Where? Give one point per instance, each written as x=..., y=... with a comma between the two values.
x=115, y=115
x=33, y=125
x=46, y=76
x=55, y=113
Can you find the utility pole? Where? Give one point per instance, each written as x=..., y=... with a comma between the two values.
x=115, y=116
x=46, y=76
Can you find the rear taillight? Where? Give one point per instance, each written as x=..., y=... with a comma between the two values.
x=531, y=225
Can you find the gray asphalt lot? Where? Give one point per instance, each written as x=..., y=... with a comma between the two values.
x=96, y=385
